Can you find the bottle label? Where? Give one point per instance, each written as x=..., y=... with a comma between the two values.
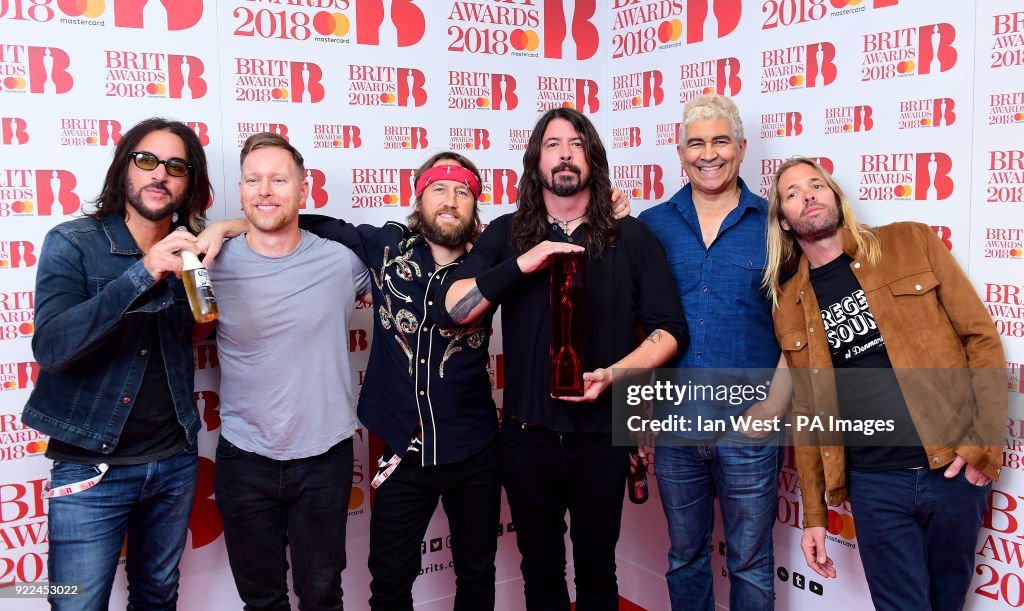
x=202, y=278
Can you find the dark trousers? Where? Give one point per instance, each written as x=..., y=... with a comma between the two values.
x=546, y=474
x=267, y=505
x=470, y=492
x=917, y=532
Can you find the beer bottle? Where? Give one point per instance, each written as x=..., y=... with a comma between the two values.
x=637, y=477
x=198, y=287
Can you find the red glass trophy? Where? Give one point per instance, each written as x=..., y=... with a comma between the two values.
x=568, y=323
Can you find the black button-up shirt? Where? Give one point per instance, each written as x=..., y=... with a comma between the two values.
x=417, y=372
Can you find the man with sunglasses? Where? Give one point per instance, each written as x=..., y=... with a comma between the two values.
x=114, y=391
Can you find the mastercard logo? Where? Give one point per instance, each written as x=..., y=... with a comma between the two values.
x=906, y=67
x=390, y=198
x=279, y=93
x=845, y=3
x=22, y=207
x=485, y=198
x=356, y=498
x=1019, y=117
x=36, y=447
x=524, y=40
x=82, y=8
x=841, y=525
x=15, y=82
x=796, y=80
x=388, y=98
x=670, y=31
x=156, y=89
x=331, y=24
x=902, y=191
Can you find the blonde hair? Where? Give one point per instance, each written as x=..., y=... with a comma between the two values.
x=783, y=249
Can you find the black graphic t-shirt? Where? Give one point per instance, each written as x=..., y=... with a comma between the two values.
x=865, y=382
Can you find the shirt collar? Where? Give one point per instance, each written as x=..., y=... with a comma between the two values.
x=121, y=240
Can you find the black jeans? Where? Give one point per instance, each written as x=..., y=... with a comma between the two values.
x=545, y=474
x=470, y=492
x=267, y=505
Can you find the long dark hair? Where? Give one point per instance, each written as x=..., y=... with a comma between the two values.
x=192, y=213
x=530, y=221
x=415, y=220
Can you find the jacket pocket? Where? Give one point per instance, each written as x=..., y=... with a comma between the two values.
x=915, y=301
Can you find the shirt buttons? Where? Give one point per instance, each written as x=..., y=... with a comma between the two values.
x=856, y=265
x=797, y=344
x=812, y=329
x=917, y=287
x=422, y=393
x=827, y=454
x=701, y=321
x=803, y=293
x=705, y=289
x=430, y=303
x=423, y=360
x=814, y=371
x=126, y=400
x=143, y=352
x=935, y=460
x=699, y=354
x=821, y=412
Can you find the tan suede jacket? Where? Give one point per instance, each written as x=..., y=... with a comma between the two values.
x=944, y=349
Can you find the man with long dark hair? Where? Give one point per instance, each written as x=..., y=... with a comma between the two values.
x=556, y=453
x=115, y=388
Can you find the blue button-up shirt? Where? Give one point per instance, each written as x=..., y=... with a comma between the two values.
x=728, y=314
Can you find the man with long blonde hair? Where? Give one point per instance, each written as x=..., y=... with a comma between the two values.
x=899, y=389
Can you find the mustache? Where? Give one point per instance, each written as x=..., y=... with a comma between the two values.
x=157, y=185
x=566, y=165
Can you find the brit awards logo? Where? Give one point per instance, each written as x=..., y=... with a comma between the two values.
x=518, y=139
x=933, y=112
x=639, y=181
x=247, y=128
x=637, y=90
x=38, y=193
x=277, y=80
x=849, y=119
x=336, y=135
x=383, y=188
x=645, y=26
x=781, y=124
x=1005, y=184
x=626, y=137
x=565, y=92
x=798, y=67
x=500, y=186
x=89, y=132
x=13, y=131
x=1006, y=108
x=138, y=74
x=1007, y=41
x=1005, y=303
x=385, y=86
x=17, y=314
x=405, y=137
x=402, y=25
x=721, y=76
x=18, y=441
x=481, y=91
x=27, y=69
x=18, y=376
x=469, y=139
x=668, y=134
x=17, y=254
x=569, y=30
x=509, y=28
x=926, y=49
x=201, y=129
x=770, y=165
x=1004, y=243
x=905, y=176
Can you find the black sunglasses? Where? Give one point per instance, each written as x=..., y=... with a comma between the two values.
x=148, y=161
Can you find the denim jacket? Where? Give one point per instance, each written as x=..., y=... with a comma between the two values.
x=93, y=298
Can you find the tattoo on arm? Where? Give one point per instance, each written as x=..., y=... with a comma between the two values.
x=460, y=313
x=654, y=337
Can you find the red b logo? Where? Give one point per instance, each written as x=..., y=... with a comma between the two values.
x=821, y=67
x=862, y=121
x=722, y=19
x=48, y=70
x=306, y=78
x=55, y=186
x=936, y=45
x=404, y=27
x=503, y=92
x=13, y=130
x=410, y=87
x=586, y=96
x=185, y=77
x=317, y=182
x=172, y=14
x=577, y=29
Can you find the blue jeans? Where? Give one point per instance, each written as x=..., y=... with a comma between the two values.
x=268, y=505
x=916, y=533
x=744, y=474
x=151, y=503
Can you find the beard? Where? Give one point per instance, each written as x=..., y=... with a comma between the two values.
x=135, y=201
x=815, y=229
x=447, y=235
x=564, y=188
x=264, y=222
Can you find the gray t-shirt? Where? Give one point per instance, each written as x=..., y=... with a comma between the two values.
x=286, y=388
